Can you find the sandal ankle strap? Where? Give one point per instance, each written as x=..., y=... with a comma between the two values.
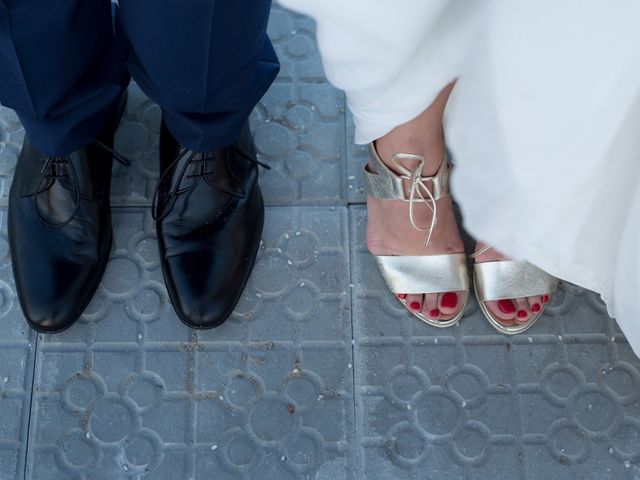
x=387, y=185
x=480, y=251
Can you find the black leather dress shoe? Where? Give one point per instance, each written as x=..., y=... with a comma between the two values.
x=209, y=216
x=59, y=229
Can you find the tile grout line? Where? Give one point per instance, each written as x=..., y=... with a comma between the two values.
x=31, y=404
x=344, y=182
x=354, y=400
x=354, y=411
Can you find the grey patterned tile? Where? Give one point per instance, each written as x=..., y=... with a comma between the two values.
x=129, y=392
x=560, y=401
x=17, y=347
x=299, y=126
x=293, y=36
x=299, y=131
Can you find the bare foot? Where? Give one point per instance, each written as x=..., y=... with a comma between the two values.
x=513, y=311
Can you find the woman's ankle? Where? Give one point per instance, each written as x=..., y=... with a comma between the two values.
x=429, y=146
x=423, y=135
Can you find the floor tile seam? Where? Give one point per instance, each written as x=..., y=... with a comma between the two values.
x=179, y=346
x=192, y=406
x=593, y=338
x=14, y=394
x=495, y=439
x=358, y=458
x=529, y=439
x=612, y=347
x=6, y=444
x=14, y=344
x=345, y=225
x=182, y=447
x=365, y=342
x=491, y=389
x=344, y=182
x=32, y=400
x=195, y=395
x=483, y=340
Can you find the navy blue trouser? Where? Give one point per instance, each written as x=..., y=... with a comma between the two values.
x=205, y=62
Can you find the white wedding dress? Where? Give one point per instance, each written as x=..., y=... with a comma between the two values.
x=544, y=121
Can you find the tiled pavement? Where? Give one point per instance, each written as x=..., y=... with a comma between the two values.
x=319, y=374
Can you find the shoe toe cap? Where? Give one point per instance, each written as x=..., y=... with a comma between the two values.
x=203, y=291
x=53, y=298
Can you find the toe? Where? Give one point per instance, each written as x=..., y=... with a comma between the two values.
x=430, y=306
x=523, y=314
x=535, y=304
x=449, y=303
x=504, y=311
x=413, y=303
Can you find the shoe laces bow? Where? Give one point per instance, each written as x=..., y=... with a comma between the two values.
x=418, y=191
x=192, y=157
x=56, y=167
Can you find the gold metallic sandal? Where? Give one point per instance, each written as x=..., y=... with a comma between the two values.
x=509, y=279
x=417, y=274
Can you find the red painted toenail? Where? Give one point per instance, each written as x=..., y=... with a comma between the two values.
x=522, y=314
x=434, y=313
x=506, y=306
x=449, y=300
x=535, y=307
x=402, y=296
x=545, y=298
x=414, y=306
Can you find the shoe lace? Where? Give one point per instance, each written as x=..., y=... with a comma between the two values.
x=56, y=167
x=418, y=192
x=480, y=251
x=201, y=158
